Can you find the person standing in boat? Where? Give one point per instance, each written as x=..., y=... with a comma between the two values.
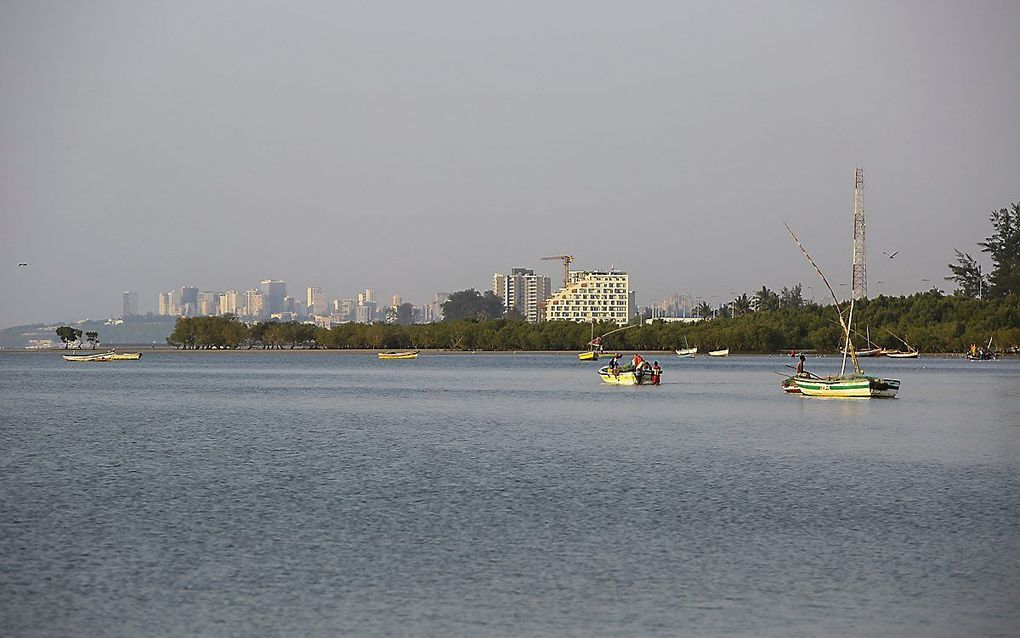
x=614, y=365
x=637, y=361
x=800, y=367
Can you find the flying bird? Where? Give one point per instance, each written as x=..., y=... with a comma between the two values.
x=22, y=264
x=894, y=253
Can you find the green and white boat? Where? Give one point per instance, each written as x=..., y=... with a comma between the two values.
x=849, y=386
x=855, y=385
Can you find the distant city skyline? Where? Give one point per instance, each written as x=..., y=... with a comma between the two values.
x=143, y=145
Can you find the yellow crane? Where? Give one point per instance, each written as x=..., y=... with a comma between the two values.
x=566, y=266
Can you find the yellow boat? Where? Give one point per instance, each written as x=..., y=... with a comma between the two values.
x=626, y=375
x=409, y=354
x=104, y=356
x=588, y=356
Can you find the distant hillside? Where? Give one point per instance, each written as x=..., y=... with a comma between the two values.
x=144, y=329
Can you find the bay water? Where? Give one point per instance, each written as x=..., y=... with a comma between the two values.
x=328, y=493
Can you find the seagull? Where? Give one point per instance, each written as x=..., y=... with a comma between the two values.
x=22, y=264
x=895, y=252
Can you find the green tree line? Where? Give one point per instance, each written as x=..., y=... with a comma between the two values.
x=930, y=321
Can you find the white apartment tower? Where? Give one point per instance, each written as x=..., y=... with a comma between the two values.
x=522, y=291
x=592, y=296
x=254, y=305
x=228, y=302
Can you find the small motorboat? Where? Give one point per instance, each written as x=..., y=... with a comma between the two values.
x=725, y=352
x=407, y=354
x=627, y=375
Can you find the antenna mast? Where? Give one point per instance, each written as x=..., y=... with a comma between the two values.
x=859, y=276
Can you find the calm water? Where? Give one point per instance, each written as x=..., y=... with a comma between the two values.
x=500, y=495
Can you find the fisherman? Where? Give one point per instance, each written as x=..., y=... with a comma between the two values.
x=637, y=361
x=800, y=367
x=596, y=344
x=614, y=365
x=656, y=373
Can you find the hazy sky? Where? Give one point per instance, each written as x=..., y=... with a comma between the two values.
x=421, y=146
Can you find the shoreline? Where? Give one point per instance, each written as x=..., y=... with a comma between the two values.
x=438, y=352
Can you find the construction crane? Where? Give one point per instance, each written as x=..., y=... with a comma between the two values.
x=566, y=266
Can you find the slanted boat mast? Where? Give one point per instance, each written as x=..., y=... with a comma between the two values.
x=846, y=329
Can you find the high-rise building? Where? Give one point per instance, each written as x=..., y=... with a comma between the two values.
x=395, y=300
x=189, y=301
x=369, y=295
x=343, y=309
x=273, y=293
x=208, y=303
x=365, y=312
x=130, y=300
x=254, y=303
x=523, y=292
x=433, y=311
x=592, y=296
x=164, y=303
x=229, y=303
x=316, y=301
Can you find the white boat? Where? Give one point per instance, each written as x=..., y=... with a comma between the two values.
x=687, y=352
x=719, y=353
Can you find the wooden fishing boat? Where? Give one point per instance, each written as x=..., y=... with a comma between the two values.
x=725, y=352
x=848, y=386
x=984, y=353
x=595, y=345
x=408, y=354
x=868, y=352
x=104, y=356
x=843, y=386
x=627, y=375
x=687, y=352
x=898, y=354
x=790, y=386
x=910, y=352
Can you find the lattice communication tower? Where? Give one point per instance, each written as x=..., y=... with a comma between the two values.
x=860, y=272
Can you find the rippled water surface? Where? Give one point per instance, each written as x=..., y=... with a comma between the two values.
x=327, y=494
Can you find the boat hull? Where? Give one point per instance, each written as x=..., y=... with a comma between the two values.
x=588, y=356
x=790, y=386
x=624, y=377
x=903, y=355
x=686, y=353
x=719, y=353
x=851, y=387
x=387, y=356
x=104, y=356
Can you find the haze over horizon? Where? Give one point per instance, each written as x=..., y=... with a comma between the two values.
x=145, y=146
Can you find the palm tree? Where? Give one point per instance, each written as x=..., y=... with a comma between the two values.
x=741, y=305
x=703, y=310
x=765, y=299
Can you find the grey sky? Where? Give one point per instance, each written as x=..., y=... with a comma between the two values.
x=421, y=146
